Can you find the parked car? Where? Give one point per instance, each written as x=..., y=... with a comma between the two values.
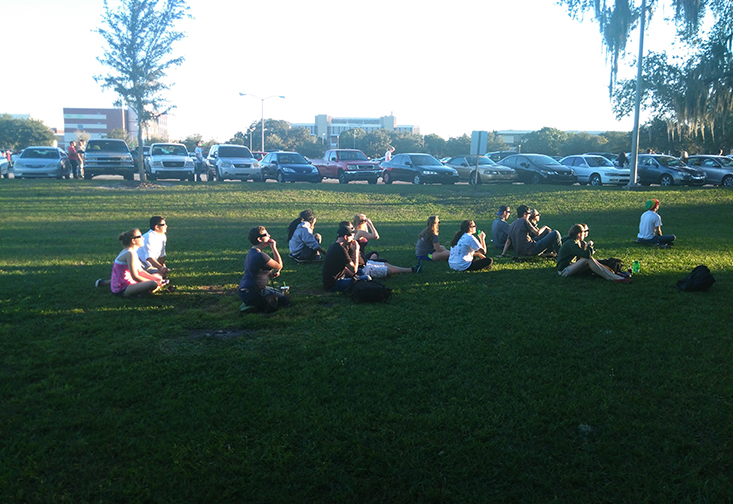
x=232, y=162
x=146, y=158
x=666, y=171
x=718, y=169
x=288, y=167
x=538, y=169
x=169, y=160
x=596, y=170
x=497, y=156
x=488, y=170
x=108, y=156
x=4, y=168
x=42, y=162
x=418, y=169
x=347, y=165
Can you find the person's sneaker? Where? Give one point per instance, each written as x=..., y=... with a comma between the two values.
x=99, y=282
x=417, y=268
x=563, y=273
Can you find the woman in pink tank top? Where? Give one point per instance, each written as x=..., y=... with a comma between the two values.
x=128, y=277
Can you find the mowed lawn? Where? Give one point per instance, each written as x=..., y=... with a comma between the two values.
x=509, y=385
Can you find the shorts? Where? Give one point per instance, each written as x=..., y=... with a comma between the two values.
x=376, y=269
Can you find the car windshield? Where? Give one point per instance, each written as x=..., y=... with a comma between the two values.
x=596, y=161
x=351, y=156
x=545, y=160
x=671, y=162
x=294, y=158
x=107, y=146
x=424, y=160
x=48, y=153
x=482, y=160
x=726, y=161
x=234, y=152
x=169, y=150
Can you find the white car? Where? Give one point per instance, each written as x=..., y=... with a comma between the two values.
x=169, y=161
x=42, y=162
x=4, y=168
x=596, y=170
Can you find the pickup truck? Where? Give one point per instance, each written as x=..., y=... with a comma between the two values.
x=108, y=156
x=347, y=165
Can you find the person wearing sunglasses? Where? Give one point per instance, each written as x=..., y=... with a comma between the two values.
x=128, y=276
x=152, y=252
x=258, y=269
x=468, y=249
x=576, y=256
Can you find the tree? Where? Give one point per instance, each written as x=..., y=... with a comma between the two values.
x=121, y=134
x=139, y=37
x=496, y=142
x=576, y=143
x=18, y=134
x=435, y=145
x=457, y=146
x=545, y=141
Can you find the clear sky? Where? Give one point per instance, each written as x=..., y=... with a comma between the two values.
x=447, y=67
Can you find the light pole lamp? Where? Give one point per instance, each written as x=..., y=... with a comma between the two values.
x=262, y=121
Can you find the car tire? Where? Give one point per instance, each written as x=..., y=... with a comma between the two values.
x=261, y=178
x=318, y=180
x=417, y=180
x=472, y=179
x=595, y=180
x=342, y=178
x=387, y=178
x=152, y=177
x=373, y=180
x=280, y=178
x=726, y=182
x=129, y=176
x=666, y=180
x=535, y=178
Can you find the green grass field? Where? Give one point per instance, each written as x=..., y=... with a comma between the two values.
x=511, y=385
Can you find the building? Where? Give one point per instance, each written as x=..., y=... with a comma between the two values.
x=99, y=122
x=328, y=128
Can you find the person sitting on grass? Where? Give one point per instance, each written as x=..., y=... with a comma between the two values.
x=576, y=256
x=428, y=247
x=527, y=239
x=500, y=227
x=650, y=227
x=152, y=253
x=304, y=244
x=341, y=262
x=258, y=269
x=128, y=276
x=468, y=252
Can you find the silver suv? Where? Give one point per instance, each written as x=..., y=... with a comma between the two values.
x=232, y=162
x=108, y=156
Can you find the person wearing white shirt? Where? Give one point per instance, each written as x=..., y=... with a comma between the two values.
x=152, y=253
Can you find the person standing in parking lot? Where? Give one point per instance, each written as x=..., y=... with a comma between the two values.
x=200, y=162
x=388, y=154
x=74, y=159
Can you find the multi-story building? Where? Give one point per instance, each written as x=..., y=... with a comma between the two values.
x=99, y=122
x=328, y=128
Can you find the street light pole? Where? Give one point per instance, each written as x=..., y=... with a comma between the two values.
x=262, y=121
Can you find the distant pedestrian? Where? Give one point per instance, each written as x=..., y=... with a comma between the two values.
x=388, y=154
x=74, y=159
x=200, y=162
x=622, y=160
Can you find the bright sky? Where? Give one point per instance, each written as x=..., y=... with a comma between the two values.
x=448, y=67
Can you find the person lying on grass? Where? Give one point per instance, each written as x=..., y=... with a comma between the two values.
x=428, y=247
x=128, y=276
x=258, y=269
x=576, y=256
x=373, y=265
x=468, y=252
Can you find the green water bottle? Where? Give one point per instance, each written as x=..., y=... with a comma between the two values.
x=635, y=267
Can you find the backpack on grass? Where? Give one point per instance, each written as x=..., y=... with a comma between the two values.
x=612, y=263
x=370, y=292
x=699, y=279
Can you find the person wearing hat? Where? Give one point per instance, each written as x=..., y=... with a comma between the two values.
x=341, y=261
x=650, y=227
x=500, y=227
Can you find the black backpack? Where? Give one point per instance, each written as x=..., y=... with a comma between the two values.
x=699, y=279
x=370, y=292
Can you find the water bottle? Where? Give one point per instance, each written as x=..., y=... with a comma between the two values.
x=635, y=267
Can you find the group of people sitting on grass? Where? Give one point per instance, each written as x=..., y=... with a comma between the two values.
x=140, y=267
